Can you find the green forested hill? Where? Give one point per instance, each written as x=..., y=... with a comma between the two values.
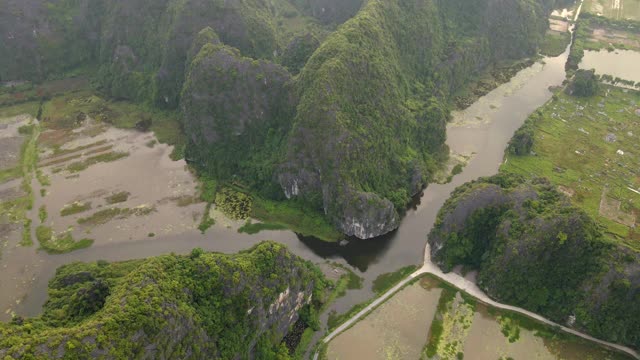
x=353, y=124
x=535, y=250
x=202, y=306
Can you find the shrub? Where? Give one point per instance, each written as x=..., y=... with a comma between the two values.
x=234, y=204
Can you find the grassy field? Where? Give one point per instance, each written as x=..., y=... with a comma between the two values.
x=295, y=216
x=62, y=112
x=555, y=43
x=614, y=9
x=589, y=147
x=386, y=281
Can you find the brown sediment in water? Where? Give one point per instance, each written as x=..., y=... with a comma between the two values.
x=486, y=341
x=397, y=329
x=507, y=111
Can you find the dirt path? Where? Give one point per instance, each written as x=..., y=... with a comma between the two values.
x=472, y=289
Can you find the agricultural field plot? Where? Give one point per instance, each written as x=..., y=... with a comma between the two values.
x=94, y=172
x=614, y=9
x=589, y=148
x=429, y=319
x=597, y=33
x=395, y=330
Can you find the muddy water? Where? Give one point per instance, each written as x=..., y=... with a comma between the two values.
x=395, y=330
x=482, y=131
x=485, y=341
x=147, y=174
x=619, y=63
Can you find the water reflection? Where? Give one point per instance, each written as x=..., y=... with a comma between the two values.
x=358, y=253
x=618, y=63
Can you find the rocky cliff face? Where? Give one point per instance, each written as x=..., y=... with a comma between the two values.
x=364, y=139
x=532, y=248
x=357, y=133
x=204, y=306
x=235, y=108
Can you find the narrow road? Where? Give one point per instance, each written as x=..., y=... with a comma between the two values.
x=472, y=289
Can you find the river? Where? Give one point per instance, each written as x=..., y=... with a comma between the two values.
x=482, y=130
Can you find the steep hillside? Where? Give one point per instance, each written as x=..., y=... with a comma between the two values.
x=348, y=119
x=203, y=306
x=237, y=112
x=370, y=127
x=533, y=249
x=140, y=46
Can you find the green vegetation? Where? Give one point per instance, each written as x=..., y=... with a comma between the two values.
x=348, y=281
x=510, y=328
x=208, y=189
x=526, y=229
x=15, y=210
x=284, y=147
x=629, y=9
x=59, y=243
x=555, y=43
x=596, y=33
x=10, y=174
x=207, y=221
x=437, y=327
x=117, y=198
x=248, y=122
x=336, y=319
x=234, y=204
x=42, y=214
x=75, y=208
x=303, y=345
x=575, y=142
x=84, y=164
x=254, y=228
x=104, y=216
x=192, y=303
x=386, y=281
x=585, y=83
x=27, y=240
x=296, y=216
x=42, y=178
x=30, y=108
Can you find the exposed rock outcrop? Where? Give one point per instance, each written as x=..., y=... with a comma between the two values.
x=205, y=306
x=230, y=105
x=535, y=250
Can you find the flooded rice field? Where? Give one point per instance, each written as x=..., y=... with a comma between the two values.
x=486, y=341
x=395, y=330
x=429, y=320
x=147, y=193
x=480, y=134
x=619, y=63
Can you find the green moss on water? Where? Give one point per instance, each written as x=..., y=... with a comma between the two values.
x=75, y=208
x=63, y=243
x=118, y=197
x=102, y=158
x=42, y=214
x=386, y=281
x=26, y=240
x=252, y=228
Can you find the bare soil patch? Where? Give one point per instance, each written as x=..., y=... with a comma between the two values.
x=10, y=152
x=558, y=25
x=616, y=37
x=610, y=209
